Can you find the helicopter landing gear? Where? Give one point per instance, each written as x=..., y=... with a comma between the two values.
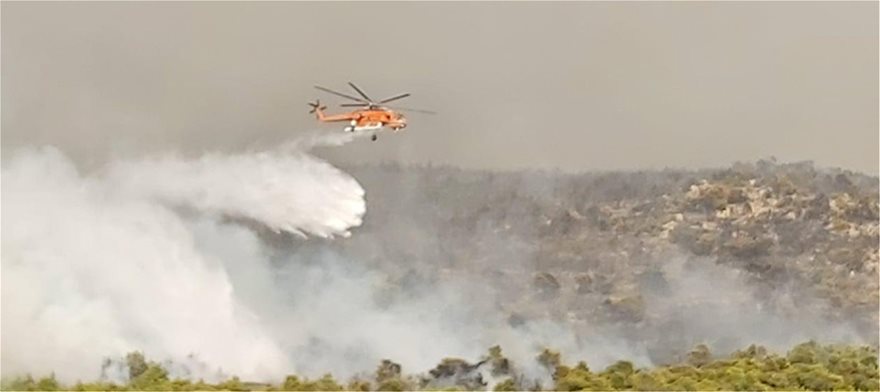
x=374, y=137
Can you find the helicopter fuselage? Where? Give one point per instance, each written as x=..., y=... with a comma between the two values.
x=367, y=119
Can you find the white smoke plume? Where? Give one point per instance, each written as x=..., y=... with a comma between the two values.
x=142, y=256
x=96, y=266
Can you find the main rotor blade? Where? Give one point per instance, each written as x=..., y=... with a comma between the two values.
x=359, y=105
x=360, y=91
x=340, y=94
x=394, y=98
x=412, y=110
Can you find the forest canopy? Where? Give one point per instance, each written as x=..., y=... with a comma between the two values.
x=807, y=366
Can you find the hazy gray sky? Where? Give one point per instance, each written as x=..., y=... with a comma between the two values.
x=577, y=86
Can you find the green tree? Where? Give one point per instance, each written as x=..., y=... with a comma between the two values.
x=580, y=378
x=291, y=383
x=325, y=383
x=806, y=353
x=699, y=356
x=137, y=364
x=48, y=383
x=232, y=384
x=387, y=370
x=25, y=383
x=393, y=384
x=359, y=385
x=506, y=385
x=155, y=377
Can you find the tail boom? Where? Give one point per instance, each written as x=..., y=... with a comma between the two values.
x=318, y=109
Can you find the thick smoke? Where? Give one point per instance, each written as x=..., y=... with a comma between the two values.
x=144, y=256
x=167, y=255
x=97, y=266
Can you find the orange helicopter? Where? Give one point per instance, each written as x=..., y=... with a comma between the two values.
x=373, y=116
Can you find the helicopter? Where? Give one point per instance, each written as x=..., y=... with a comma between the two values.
x=372, y=116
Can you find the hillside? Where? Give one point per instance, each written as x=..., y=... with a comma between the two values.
x=665, y=258
x=681, y=278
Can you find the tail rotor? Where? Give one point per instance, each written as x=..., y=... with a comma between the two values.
x=316, y=106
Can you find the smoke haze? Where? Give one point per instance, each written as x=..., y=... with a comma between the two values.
x=100, y=265
x=154, y=255
x=570, y=85
x=158, y=193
